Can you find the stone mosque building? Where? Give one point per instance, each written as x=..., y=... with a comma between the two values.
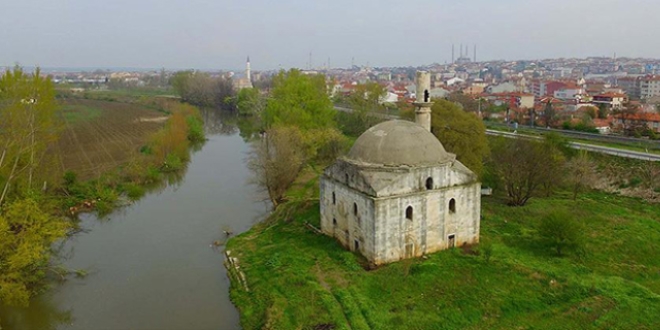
x=398, y=194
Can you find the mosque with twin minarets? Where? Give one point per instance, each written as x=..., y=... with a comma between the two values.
x=398, y=194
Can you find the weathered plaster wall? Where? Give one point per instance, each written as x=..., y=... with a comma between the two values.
x=349, y=227
x=398, y=237
x=380, y=226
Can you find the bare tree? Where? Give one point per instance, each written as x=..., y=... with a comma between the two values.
x=650, y=174
x=625, y=113
x=276, y=160
x=522, y=166
x=581, y=172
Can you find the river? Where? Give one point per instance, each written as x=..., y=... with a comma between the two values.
x=152, y=265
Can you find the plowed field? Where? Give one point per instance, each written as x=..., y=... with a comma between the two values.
x=99, y=135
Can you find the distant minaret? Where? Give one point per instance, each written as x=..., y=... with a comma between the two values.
x=475, y=53
x=247, y=71
x=452, y=54
x=423, y=100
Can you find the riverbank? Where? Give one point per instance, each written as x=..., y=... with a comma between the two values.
x=125, y=150
x=300, y=279
x=157, y=248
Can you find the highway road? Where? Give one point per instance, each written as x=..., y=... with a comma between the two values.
x=588, y=147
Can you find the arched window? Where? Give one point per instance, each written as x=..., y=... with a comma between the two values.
x=334, y=198
x=429, y=183
x=452, y=206
x=427, y=95
x=334, y=222
x=355, y=210
x=409, y=213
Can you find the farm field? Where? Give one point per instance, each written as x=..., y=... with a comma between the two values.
x=100, y=135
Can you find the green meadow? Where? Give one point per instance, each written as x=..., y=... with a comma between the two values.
x=298, y=279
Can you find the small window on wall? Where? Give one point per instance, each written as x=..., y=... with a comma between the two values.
x=409, y=213
x=334, y=222
x=452, y=206
x=355, y=210
x=346, y=177
x=334, y=198
x=429, y=183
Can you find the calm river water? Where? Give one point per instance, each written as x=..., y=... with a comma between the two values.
x=151, y=264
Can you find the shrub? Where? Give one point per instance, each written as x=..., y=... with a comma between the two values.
x=561, y=231
x=172, y=163
x=195, y=129
x=134, y=191
x=69, y=179
x=635, y=181
x=486, y=250
x=146, y=150
x=153, y=174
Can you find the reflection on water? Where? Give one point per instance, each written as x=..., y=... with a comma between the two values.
x=152, y=264
x=43, y=314
x=219, y=122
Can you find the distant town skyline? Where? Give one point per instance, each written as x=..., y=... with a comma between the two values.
x=214, y=35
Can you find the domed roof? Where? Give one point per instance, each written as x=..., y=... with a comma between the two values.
x=396, y=143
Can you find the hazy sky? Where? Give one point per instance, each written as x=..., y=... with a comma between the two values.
x=219, y=34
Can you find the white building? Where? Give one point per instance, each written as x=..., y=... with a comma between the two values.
x=398, y=194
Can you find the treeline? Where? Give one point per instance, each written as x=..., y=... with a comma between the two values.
x=199, y=88
x=27, y=226
x=36, y=199
x=297, y=127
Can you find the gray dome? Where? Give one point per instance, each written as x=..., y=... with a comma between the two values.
x=396, y=143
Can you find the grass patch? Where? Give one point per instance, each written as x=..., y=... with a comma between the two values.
x=73, y=113
x=302, y=280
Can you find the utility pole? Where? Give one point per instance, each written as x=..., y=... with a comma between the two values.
x=310, y=61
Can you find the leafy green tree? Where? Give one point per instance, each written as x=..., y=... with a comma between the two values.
x=561, y=231
x=366, y=97
x=180, y=81
x=299, y=100
x=26, y=234
x=364, y=102
x=28, y=116
x=249, y=102
x=461, y=133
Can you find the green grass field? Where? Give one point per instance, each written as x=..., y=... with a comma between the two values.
x=301, y=280
x=74, y=113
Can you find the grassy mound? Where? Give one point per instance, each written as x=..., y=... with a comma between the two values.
x=298, y=279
